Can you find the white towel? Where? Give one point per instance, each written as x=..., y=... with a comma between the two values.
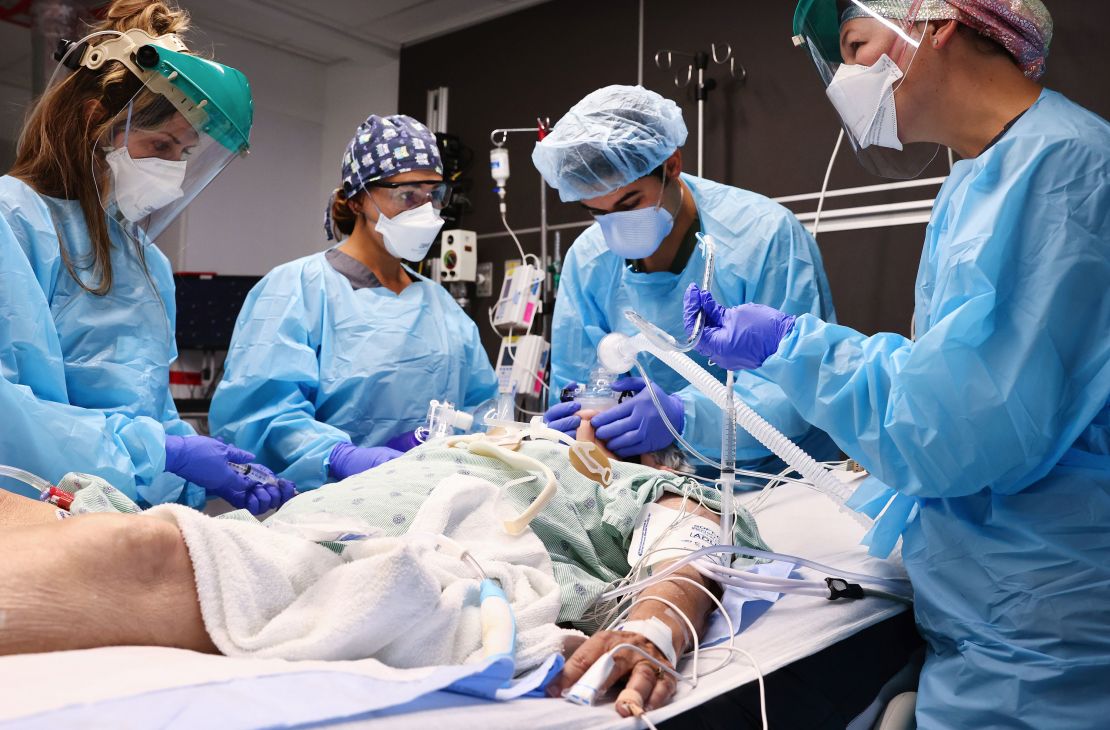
x=399, y=600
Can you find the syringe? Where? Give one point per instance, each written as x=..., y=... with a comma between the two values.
x=250, y=472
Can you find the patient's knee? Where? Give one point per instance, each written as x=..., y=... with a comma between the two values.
x=151, y=549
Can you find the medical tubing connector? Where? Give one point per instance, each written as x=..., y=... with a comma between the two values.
x=618, y=352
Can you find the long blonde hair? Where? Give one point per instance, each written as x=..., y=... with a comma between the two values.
x=54, y=156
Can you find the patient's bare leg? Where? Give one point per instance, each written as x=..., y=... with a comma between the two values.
x=97, y=580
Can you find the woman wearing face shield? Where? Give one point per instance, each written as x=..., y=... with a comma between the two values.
x=131, y=128
x=335, y=356
x=618, y=153
x=992, y=427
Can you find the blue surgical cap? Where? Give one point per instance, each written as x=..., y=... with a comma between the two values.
x=613, y=136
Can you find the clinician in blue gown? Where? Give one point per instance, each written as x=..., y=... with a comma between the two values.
x=992, y=427
x=110, y=155
x=335, y=356
x=618, y=152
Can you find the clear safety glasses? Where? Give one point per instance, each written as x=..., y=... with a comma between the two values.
x=408, y=195
x=863, y=50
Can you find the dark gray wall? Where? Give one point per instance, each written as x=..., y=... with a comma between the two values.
x=773, y=135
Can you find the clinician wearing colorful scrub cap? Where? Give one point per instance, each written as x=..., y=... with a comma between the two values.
x=993, y=426
x=336, y=355
x=618, y=153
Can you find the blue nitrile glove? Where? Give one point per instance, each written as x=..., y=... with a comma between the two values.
x=635, y=427
x=737, y=338
x=406, y=441
x=561, y=417
x=204, y=461
x=347, y=459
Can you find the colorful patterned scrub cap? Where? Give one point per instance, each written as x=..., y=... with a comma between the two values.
x=381, y=148
x=1022, y=27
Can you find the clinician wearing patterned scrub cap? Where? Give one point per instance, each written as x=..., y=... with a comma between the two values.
x=336, y=355
x=991, y=428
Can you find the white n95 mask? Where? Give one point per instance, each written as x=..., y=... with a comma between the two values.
x=864, y=98
x=637, y=234
x=145, y=185
x=409, y=235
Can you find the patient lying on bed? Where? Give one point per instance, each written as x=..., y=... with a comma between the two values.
x=114, y=579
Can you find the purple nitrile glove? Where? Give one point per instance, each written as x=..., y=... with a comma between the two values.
x=737, y=338
x=635, y=426
x=561, y=417
x=406, y=441
x=347, y=459
x=206, y=462
x=270, y=491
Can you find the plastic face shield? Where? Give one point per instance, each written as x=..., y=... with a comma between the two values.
x=872, y=29
x=190, y=118
x=151, y=162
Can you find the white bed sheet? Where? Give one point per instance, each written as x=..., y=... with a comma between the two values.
x=795, y=520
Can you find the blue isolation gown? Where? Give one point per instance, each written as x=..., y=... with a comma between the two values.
x=84, y=379
x=315, y=362
x=763, y=255
x=996, y=422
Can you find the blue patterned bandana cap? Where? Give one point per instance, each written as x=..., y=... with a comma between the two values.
x=381, y=148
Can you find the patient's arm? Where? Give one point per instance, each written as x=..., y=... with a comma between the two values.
x=97, y=580
x=645, y=688
x=16, y=509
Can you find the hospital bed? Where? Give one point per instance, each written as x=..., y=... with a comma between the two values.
x=155, y=687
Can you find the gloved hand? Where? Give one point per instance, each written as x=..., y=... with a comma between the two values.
x=561, y=417
x=737, y=338
x=347, y=459
x=403, y=442
x=635, y=427
x=269, y=492
x=205, y=461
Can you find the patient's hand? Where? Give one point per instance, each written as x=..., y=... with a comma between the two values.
x=647, y=687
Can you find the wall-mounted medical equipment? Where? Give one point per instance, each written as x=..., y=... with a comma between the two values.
x=458, y=260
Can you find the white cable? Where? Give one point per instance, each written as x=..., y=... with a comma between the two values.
x=758, y=676
x=825, y=185
x=519, y=248
x=616, y=593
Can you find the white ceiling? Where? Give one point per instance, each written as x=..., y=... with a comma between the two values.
x=333, y=31
x=324, y=31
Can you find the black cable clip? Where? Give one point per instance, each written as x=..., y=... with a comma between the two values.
x=840, y=588
x=73, y=59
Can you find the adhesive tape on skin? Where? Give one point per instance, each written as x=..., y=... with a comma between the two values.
x=655, y=631
x=668, y=534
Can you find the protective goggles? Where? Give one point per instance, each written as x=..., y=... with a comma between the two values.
x=863, y=50
x=413, y=194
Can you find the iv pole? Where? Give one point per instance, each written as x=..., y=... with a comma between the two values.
x=699, y=60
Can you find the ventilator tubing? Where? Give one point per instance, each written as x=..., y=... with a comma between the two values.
x=618, y=353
